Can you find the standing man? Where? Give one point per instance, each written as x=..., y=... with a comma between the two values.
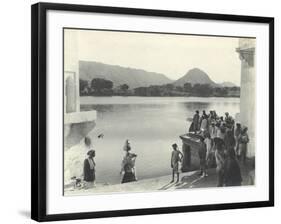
x=237, y=133
x=202, y=152
x=232, y=173
x=176, y=158
x=204, y=125
x=89, y=169
x=243, y=140
x=220, y=158
x=213, y=132
x=196, y=118
x=227, y=117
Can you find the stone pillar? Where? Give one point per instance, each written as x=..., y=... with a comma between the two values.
x=70, y=92
x=247, y=114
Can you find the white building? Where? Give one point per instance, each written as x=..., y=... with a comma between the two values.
x=77, y=124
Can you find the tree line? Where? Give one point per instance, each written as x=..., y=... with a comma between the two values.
x=103, y=87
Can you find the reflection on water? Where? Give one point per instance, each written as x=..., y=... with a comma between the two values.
x=152, y=124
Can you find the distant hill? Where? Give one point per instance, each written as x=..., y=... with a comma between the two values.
x=195, y=76
x=228, y=84
x=120, y=75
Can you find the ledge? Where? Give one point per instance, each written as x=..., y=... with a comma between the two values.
x=188, y=180
x=80, y=117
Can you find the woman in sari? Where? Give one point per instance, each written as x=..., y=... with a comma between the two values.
x=128, y=165
x=90, y=169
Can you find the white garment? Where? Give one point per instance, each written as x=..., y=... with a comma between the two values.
x=204, y=124
x=207, y=141
x=213, y=132
x=92, y=163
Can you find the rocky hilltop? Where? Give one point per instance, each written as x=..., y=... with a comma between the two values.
x=195, y=76
x=89, y=70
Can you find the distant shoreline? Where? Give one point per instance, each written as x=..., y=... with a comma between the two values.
x=103, y=87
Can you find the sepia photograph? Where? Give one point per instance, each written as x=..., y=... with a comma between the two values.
x=146, y=112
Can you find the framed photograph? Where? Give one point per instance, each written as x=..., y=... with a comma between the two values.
x=141, y=111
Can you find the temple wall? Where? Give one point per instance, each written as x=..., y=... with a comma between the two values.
x=76, y=124
x=71, y=71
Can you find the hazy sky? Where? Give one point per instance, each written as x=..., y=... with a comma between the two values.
x=172, y=55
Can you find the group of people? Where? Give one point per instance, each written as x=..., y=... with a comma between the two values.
x=223, y=143
x=128, y=170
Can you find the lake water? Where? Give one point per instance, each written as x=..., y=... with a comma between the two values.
x=152, y=124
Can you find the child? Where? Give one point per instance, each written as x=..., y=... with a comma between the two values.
x=175, y=159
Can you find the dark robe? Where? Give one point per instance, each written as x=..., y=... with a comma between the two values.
x=89, y=174
x=128, y=177
x=128, y=167
x=229, y=142
x=195, y=124
x=232, y=173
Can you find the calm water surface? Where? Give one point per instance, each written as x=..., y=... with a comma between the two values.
x=152, y=124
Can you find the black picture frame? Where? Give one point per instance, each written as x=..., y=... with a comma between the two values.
x=39, y=116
